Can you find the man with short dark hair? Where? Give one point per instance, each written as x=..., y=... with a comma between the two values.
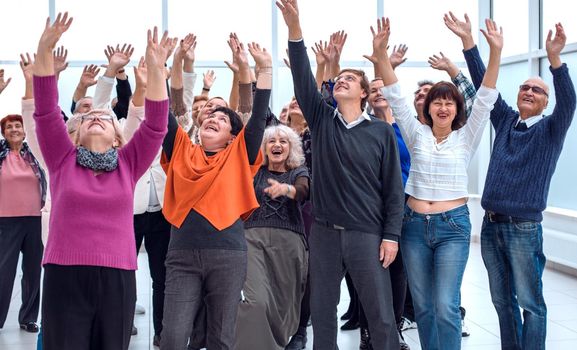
x=357, y=197
x=526, y=149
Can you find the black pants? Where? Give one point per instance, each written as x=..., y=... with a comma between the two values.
x=87, y=307
x=399, y=288
x=332, y=253
x=212, y=276
x=21, y=234
x=155, y=231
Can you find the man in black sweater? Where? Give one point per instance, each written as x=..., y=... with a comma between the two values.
x=357, y=197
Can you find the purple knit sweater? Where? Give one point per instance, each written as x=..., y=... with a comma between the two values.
x=91, y=217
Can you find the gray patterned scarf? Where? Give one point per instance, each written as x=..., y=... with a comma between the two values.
x=107, y=161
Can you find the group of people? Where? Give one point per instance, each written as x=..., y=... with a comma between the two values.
x=245, y=243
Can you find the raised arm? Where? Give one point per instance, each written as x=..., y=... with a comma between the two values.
x=117, y=58
x=3, y=83
x=319, y=51
x=123, y=94
x=463, y=84
x=257, y=123
x=60, y=64
x=178, y=105
x=487, y=94
x=305, y=86
x=50, y=129
x=87, y=79
x=564, y=89
x=233, y=100
x=391, y=90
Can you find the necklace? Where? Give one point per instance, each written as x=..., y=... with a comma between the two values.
x=441, y=138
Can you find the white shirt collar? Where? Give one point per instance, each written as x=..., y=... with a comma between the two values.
x=530, y=121
x=360, y=119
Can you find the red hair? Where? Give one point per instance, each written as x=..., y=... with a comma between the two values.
x=10, y=118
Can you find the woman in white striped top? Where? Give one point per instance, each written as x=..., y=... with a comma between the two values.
x=436, y=228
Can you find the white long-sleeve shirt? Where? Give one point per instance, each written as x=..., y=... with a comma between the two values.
x=439, y=170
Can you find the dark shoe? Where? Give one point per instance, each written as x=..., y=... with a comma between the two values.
x=298, y=342
x=30, y=327
x=134, y=331
x=347, y=315
x=402, y=343
x=365, y=340
x=350, y=325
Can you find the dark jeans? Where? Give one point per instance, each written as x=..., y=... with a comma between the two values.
x=334, y=252
x=435, y=249
x=155, y=231
x=513, y=255
x=399, y=288
x=216, y=274
x=21, y=234
x=87, y=307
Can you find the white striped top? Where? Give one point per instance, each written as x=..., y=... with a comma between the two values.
x=439, y=170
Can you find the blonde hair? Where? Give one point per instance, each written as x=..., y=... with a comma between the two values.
x=119, y=135
x=296, y=155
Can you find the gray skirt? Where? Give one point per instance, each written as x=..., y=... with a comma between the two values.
x=275, y=284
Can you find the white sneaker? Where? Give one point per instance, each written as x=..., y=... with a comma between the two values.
x=464, y=329
x=139, y=310
x=407, y=324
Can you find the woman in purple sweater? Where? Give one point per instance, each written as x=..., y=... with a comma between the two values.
x=90, y=258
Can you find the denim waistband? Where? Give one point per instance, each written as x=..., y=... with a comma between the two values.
x=460, y=210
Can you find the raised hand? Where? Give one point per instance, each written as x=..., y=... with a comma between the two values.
x=319, y=50
x=27, y=66
x=140, y=73
x=53, y=32
x=186, y=48
x=88, y=77
x=118, y=57
x=208, y=79
x=290, y=12
x=380, y=40
x=238, y=52
x=493, y=34
x=441, y=62
x=157, y=51
x=261, y=57
x=3, y=83
x=461, y=28
x=59, y=56
x=337, y=42
x=397, y=57
x=233, y=43
x=554, y=45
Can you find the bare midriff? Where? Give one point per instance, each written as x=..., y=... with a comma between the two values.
x=432, y=207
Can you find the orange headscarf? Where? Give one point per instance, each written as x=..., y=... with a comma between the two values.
x=218, y=187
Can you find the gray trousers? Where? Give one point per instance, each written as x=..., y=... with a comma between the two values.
x=215, y=274
x=275, y=284
x=334, y=252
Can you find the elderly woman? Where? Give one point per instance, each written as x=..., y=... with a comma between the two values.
x=22, y=195
x=90, y=259
x=209, y=188
x=436, y=228
x=277, y=254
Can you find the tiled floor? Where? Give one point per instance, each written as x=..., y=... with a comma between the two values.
x=560, y=294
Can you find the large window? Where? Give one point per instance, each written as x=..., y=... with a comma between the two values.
x=513, y=16
x=555, y=11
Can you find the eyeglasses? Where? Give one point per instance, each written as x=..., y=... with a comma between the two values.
x=92, y=117
x=536, y=89
x=347, y=77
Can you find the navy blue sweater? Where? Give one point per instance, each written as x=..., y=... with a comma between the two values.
x=523, y=162
x=357, y=181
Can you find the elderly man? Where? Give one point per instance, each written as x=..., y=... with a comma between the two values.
x=357, y=197
x=526, y=149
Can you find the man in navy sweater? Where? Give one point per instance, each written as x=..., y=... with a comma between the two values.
x=357, y=195
x=525, y=152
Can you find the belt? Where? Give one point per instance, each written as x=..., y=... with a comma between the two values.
x=500, y=218
x=328, y=224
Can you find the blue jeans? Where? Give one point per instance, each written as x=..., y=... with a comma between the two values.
x=435, y=250
x=513, y=255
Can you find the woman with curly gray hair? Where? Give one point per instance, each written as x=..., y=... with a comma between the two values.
x=277, y=252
